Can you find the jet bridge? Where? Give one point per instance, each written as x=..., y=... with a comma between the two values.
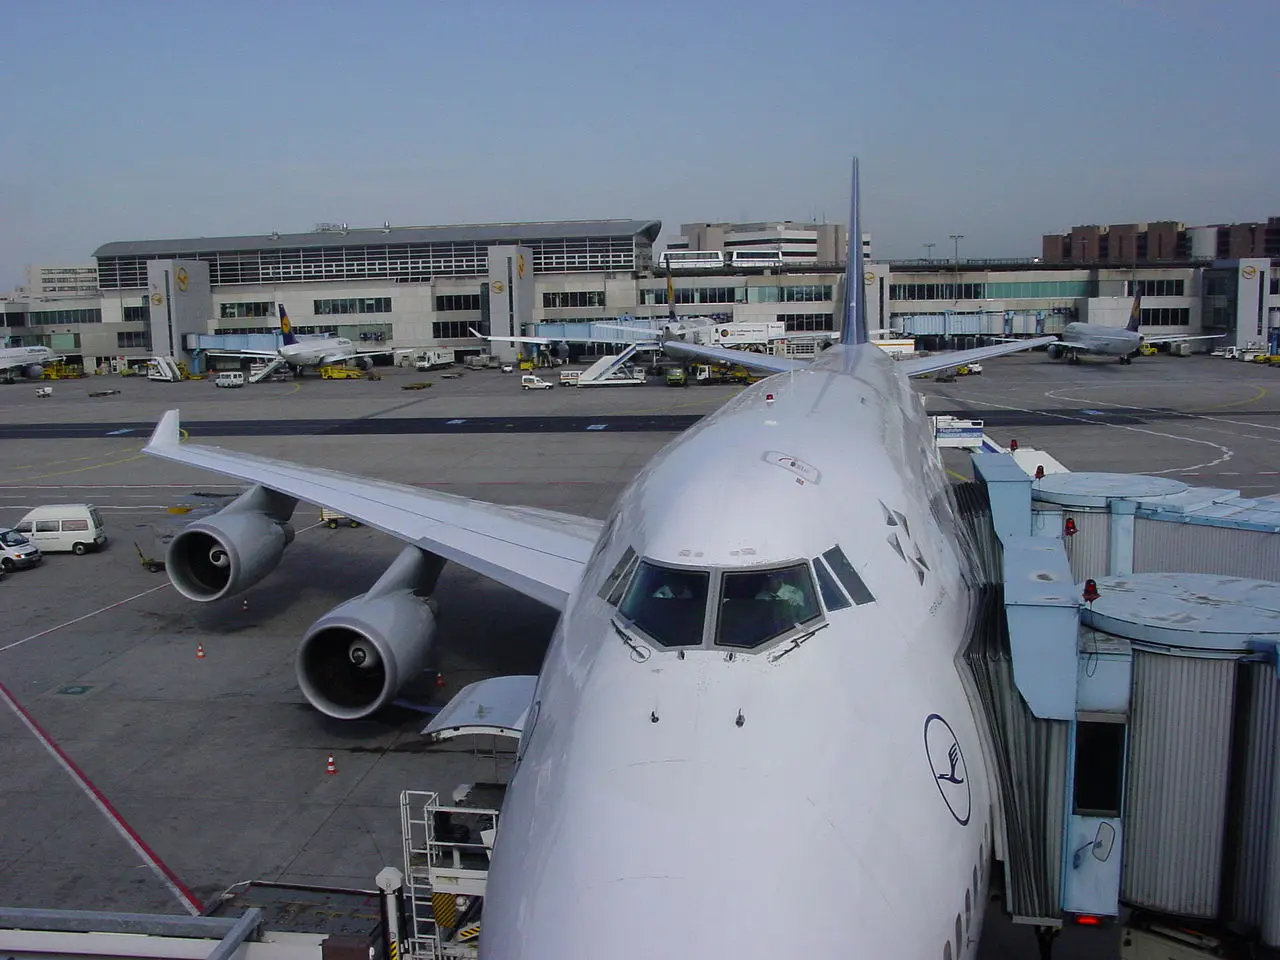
x=1125, y=658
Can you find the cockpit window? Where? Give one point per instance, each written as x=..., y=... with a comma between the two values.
x=611, y=589
x=758, y=605
x=832, y=595
x=848, y=576
x=668, y=604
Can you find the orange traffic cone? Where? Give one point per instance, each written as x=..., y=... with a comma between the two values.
x=199, y=651
x=331, y=767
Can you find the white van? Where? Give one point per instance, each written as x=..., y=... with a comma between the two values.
x=59, y=527
x=229, y=378
x=16, y=551
x=531, y=382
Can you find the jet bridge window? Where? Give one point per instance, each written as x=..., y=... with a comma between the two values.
x=667, y=603
x=758, y=605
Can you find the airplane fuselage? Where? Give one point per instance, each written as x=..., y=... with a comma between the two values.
x=822, y=794
x=17, y=358
x=314, y=353
x=1106, y=341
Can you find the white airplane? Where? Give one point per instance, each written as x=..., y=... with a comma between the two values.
x=1081, y=338
x=749, y=737
x=312, y=352
x=25, y=361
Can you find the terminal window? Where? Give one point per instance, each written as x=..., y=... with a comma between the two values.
x=1157, y=288
x=1165, y=316
x=49, y=317
x=236, y=311
x=457, y=301
x=1099, y=774
x=137, y=314
x=805, y=322
x=353, y=305
x=574, y=298
x=133, y=338
x=456, y=329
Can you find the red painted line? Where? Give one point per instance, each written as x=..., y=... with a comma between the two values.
x=188, y=899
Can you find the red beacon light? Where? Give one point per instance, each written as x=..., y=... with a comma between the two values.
x=768, y=398
x=1088, y=920
x=1013, y=446
x=1069, y=528
x=1090, y=591
x=1040, y=471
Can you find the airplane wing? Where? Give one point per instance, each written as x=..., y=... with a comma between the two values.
x=539, y=553
x=915, y=366
x=744, y=358
x=249, y=354
x=1180, y=337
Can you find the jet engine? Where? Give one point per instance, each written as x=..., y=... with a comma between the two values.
x=364, y=363
x=232, y=550
x=355, y=659
x=1055, y=351
x=33, y=371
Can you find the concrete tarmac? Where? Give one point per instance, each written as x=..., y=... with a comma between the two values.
x=138, y=777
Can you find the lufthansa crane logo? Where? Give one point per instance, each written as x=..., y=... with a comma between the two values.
x=182, y=278
x=1249, y=272
x=157, y=299
x=869, y=277
x=946, y=760
x=498, y=286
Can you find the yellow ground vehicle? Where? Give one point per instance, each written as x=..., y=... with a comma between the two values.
x=340, y=373
x=1147, y=350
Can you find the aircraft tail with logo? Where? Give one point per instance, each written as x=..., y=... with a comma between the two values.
x=854, y=329
x=1135, y=314
x=286, y=328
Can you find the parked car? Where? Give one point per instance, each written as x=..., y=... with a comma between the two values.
x=16, y=551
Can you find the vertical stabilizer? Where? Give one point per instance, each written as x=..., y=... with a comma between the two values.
x=854, y=329
x=1135, y=314
x=286, y=328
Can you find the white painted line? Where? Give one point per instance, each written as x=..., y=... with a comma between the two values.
x=99, y=800
x=110, y=606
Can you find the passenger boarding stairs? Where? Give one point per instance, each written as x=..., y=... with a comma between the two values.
x=266, y=371
x=446, y=868
x=607, y=367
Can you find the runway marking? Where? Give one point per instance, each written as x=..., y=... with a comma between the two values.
x=63, y=473
x=1227, y=452
x=1262, y=392
x=54, y=629
x=166, y=876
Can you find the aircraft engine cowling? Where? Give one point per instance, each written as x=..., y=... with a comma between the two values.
x=33, y=371
x=232, y=550
x=355, y=659
x=1055, y=351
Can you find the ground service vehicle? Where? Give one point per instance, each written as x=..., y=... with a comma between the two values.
x=676, y=377
x=569, y=378
x=16, y=551
x=63, y=527
x=340, y=373
x=229, y=378
x=532, y=381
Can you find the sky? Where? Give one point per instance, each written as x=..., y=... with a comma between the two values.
x=1001, y=120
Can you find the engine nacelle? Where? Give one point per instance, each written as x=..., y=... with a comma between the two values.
x=33, y=371
x=233, y=549
x=1055, y=351
x=355, y=659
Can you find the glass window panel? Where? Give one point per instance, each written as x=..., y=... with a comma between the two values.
x=668, y=604
x=844, y=571
x=758, y=605
x=832, y=595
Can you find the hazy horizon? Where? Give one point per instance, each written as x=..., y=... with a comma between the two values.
x=1000, y=121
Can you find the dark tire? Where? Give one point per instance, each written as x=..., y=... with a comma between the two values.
x=79, y=549
x=8, y=565
x=154, y=567
x=354, y=523
x=332, y=524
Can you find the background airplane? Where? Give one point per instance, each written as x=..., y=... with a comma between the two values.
x=1080, y=338
x=689, y=751
x=28, y=362
x=311, y=352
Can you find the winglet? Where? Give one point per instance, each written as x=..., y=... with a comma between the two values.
x=1135, y=314
x=167, y=432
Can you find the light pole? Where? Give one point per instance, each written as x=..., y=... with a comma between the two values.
x=956, y=238
x=928, y=250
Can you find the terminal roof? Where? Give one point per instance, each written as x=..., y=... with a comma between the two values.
x=486, y=233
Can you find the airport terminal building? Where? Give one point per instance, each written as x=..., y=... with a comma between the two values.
x=419, y=287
